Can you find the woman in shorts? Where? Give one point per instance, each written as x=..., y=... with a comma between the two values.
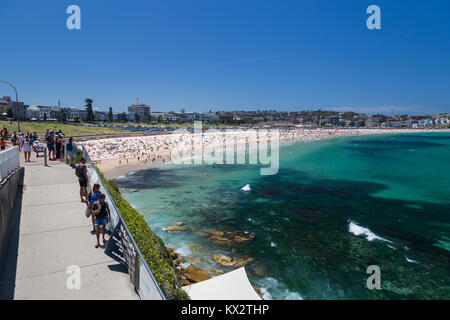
x=102, y=215
x=92, y=198
x=26, y=147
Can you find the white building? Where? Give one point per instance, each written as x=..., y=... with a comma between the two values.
x=45, y=112
x=33, y=112
x=138, y=111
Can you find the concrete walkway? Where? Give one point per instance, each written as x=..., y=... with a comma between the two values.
x=51, y=233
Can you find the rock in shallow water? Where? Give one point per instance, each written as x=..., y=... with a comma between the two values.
x=196, y=274
x=230, y=262
x=174, y=228
x=214, y=232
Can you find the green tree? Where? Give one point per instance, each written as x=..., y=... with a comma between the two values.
x=110, y=114
x=136, y=117
x=90, y=113
x=382, y=119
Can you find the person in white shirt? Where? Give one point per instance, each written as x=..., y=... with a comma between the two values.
x=26, y=147
x=20, y=140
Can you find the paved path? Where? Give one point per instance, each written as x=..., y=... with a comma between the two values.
x=51, y=233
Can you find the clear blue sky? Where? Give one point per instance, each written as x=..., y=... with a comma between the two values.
x=227, y=54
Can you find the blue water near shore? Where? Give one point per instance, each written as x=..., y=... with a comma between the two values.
x=335, y=207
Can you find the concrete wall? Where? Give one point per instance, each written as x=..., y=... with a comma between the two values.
x=9, y=161
x=8, y=192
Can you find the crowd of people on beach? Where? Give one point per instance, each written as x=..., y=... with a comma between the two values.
x=158, y=149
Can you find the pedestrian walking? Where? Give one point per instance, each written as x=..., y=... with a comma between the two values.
x=92, y=198
x=83, y=179
x=102, y=214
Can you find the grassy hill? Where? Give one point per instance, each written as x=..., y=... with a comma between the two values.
x=68, y=129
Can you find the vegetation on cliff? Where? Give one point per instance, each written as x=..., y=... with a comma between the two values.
x=152, y=247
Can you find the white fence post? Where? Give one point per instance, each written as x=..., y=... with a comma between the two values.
x=9, y=161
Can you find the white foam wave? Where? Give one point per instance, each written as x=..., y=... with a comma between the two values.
x=184, y=251
x=266, y=295
x=361, y=231
x=410, y=260
x=273, y=244
x=246, y=188
x=271, y=287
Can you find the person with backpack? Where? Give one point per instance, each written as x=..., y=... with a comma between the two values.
x=71, y=151
x=92, y=198
x=102, y=214
x=83, y=179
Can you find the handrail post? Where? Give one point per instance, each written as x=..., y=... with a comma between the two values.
x=45, y=157
x=65, y=152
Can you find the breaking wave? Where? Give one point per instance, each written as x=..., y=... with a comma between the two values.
x=361, y=231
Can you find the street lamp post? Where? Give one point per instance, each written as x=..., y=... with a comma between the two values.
x=17, y=104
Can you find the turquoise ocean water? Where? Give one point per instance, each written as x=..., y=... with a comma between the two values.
x=335, y=207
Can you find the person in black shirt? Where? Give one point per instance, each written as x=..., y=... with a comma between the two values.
x=102, y=215
x=83, y=179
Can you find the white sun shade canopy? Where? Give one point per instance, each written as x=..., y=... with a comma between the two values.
x=233, y=285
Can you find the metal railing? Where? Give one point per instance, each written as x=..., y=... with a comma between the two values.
x=148, y=287
x=9, y=161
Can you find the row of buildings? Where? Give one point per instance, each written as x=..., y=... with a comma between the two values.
x=142, y=113
x=136, y=113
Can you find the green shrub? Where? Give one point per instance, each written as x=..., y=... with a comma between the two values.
x=114, y=185
x=79, y=155
x=152, y=247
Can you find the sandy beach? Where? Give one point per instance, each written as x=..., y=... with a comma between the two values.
x=119, y=156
